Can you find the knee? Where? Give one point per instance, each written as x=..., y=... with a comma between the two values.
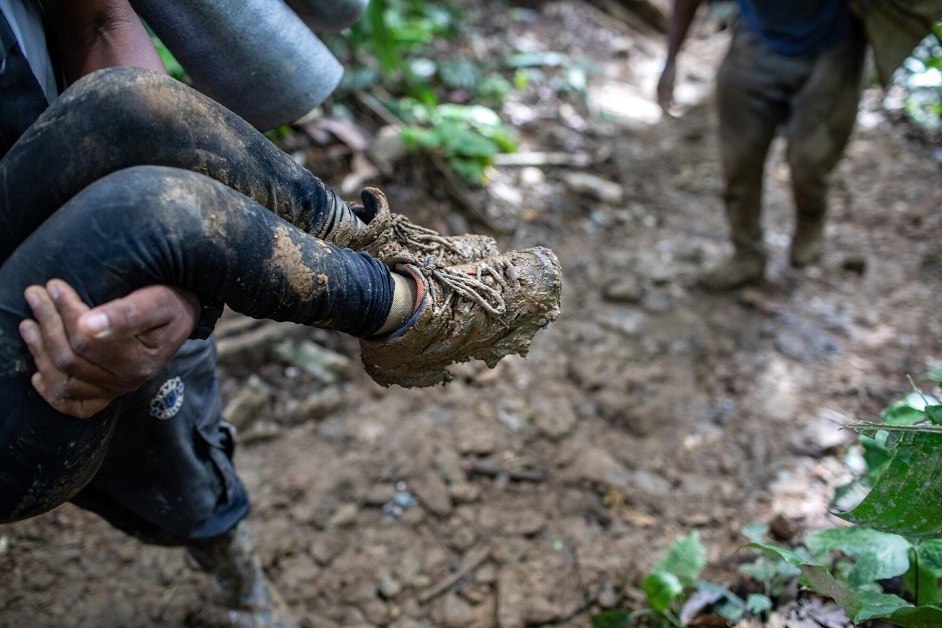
x=143, y=199
x=339, y=16
x=126, y=101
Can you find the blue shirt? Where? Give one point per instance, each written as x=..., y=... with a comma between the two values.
x=797, y=27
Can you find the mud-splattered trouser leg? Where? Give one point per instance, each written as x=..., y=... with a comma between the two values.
x=154, y=225
x=814, y=97
x=123, y=117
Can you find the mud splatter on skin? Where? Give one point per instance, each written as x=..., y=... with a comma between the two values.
x=287, y=261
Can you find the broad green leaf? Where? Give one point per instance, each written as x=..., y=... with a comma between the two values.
x=905, y=499
x=662, y=588
x=685, y=558
x=612, y=618
x=908, y=410
x=467, y=143
x=934, y=414
x=859, y=605
x=923, y=584
x=782, y=553
x=877, y=555
x=468, y=169
x=916, y=617
x=930, y=556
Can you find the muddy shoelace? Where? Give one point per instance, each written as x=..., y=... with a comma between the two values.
x=422, y=238
x=472, y=286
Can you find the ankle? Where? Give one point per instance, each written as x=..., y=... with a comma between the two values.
x=405, y=292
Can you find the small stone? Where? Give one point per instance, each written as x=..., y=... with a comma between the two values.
x=597, y=466
x=379, y=494
x=389, y=588
x=555, y=417
x=628, y=289
x=486, y=574
x=326, y=547
x=527, y=523
x=480, y=443
x=448, y=463
x=376, y=612
x=317, y=405
x=387, y=148
x=464, y=493
x=344, y=516
x=248, y=403
x=433, y=493
x=650, y=483
x=608, y=598
x=595, y=187
x=454, y=612
x=463, y=538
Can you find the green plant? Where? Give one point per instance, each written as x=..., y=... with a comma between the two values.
x=675, y=594
x=899, y=522
x=468, y=137
x=396, y=44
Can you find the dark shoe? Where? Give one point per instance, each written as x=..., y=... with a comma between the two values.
x=243, y=596
x=739, y=270
x=485, y=310
x=807, y=243
x=390, y=236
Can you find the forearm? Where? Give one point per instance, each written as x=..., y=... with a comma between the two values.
x=96, y=34
x=681, y=18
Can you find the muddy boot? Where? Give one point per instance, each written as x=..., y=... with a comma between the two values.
x=243, y=596
x=389, y=236
x=807, y=243
x=485, y=310
x=739, y=270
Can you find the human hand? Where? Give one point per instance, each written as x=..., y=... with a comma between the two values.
x=85, y=358
x=665, y=87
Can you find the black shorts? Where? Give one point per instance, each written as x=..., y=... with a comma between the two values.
x=168, y=476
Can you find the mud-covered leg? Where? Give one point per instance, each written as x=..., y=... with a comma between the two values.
x=145, y=226
x=123, y=117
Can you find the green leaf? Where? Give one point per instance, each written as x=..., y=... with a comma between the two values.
x=662, y=588
x=459, y=73
x=878, y=556
x=908, y=410
x=930, y=556
x=612, y=618
x=934, y=414
x=466, y=143
x=468, y=169
x=782, y=553
x=905, y=499
x=916, y=617
x=685, y=558
x=859, y=605
x=385, y=49
x=755, y=531
x=757, y=603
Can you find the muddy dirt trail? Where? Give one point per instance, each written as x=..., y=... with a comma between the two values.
x=540, y=491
